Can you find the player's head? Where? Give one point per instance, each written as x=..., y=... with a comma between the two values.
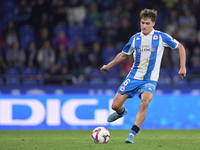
x=147, y=20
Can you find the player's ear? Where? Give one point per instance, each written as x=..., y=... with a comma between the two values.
x=154, y=23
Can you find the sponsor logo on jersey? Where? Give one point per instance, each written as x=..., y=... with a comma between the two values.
x=145, y=48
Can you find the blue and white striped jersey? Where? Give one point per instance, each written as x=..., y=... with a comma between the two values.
x=147, y=53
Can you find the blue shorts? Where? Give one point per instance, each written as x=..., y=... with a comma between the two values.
x=130, y=86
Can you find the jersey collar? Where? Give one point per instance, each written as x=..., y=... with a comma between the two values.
x=152, y=32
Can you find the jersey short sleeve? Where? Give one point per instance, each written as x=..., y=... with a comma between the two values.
x=168, y=41
x=129, y=48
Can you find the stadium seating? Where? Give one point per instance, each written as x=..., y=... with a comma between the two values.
x=29, y=76
x=95, y=73
x=13, y=81
x=12, y=76
x=27, y=35
x=25, y=40
x=113, y=73
x=96, y=81
x=12, y=72
x=39, y=76
x=113, y=81
x=75, y=32
x=9, y=6
x=195, y=81
x=164, y=77
x=5, y=1
x=1, y=81
x=26, y=30
x=90, y=34
x=58, y=28
x=0, y=25
x=82, y=80
x=164, y=80
x=179, y=82
x=8, y=17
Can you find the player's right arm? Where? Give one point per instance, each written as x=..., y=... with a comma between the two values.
x=127, y=50
x=118, y=59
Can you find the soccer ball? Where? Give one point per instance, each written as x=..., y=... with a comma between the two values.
x=100, y=135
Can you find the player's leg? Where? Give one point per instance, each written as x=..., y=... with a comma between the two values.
x=146, y=97
x=118, y=106
x=127, y=89
x=118, y=102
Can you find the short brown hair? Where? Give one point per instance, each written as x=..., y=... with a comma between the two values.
x=148, y=13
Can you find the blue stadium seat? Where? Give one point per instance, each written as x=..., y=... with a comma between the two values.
x=12, y=76
x=82, y=80
x=195, y=82
x=108, y=54
x=12, y=72
x=164, y=71
x=5, y=1
x=39, y=74
x=9, y=6
x=96, y=81
x=179, y=82
x=25, y=40
x=113, y=73
x=95, y=73
x=26, y=81
x=8, y=17
x=91, y=34
x=164, y=80
x=58, y=28
x=1, y=81
x=26, y=30
x=28, y=71
x=174, y=72
x=75, y=32
x=113, y=81
x=28, y=76
x=32, y=76
x=0, y=25
x=13, y=81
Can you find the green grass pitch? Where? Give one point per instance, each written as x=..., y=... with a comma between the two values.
x=81, y=140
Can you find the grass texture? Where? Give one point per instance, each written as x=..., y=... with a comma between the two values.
x=81, y=140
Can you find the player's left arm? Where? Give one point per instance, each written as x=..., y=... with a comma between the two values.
x=182, y=55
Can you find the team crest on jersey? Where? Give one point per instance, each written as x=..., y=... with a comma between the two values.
x=155, y=37
x=122, y=88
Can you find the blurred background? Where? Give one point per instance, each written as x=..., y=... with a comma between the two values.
x=54, y=49
x=65, y=42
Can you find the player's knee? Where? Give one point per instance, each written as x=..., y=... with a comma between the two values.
x=115, y=106
x=144, y=104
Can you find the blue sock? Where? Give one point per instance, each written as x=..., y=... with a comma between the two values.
x=135, y=129
x=122, y=112
x=133, y=132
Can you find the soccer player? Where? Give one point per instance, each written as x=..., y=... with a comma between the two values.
x=147, y=48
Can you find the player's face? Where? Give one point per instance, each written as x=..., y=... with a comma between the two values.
x=146, y=25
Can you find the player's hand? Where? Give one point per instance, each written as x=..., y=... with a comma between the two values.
x=182, y=73
x=105, y=68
